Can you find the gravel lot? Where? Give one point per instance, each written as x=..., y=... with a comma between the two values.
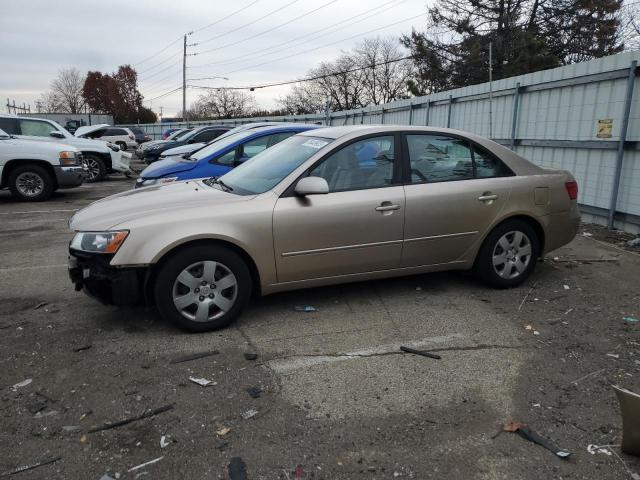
x=338, y=401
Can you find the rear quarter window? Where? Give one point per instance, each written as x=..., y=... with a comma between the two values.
x=10, y=126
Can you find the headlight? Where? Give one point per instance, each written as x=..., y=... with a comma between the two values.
x=113, y=147
x=99, y=242
x=68, y=158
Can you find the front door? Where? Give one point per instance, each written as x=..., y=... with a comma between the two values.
x=357, y=227
x=454, y=193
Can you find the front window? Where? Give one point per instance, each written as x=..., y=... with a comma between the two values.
x=270, y=167
x=219, y=145
x=178, y=134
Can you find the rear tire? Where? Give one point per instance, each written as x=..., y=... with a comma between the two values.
x=203, y=288
x=95, y=168
x=31, y=183
x=508, y=255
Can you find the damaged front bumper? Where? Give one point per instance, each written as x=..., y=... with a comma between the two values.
x=94, y=274
x=121, y=161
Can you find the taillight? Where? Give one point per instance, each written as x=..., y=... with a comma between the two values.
x=572, y=189
x=131, y=137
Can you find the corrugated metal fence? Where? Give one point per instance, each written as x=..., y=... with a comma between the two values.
x=583, y=117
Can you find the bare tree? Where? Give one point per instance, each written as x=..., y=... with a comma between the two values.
x=48, y=103
x=223, y=103
x=67, y=89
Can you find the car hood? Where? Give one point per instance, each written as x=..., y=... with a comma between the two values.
x=88, y=129
x=166, y=167
x=37, y=146
x=181, y=150
x=116, y=210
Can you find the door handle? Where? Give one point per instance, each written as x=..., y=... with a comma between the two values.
x=487, y=196
x=387, y=206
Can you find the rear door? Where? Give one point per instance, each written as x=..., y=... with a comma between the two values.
x=356, y=227
x=454, y=191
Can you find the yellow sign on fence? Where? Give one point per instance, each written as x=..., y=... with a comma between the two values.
x=605, y=127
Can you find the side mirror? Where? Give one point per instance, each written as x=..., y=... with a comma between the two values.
x=312, y=186
x=56, y=134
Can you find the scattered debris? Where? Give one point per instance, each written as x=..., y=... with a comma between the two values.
x=586, y=376
x=298, y=472
x=237, y=469
x=420, y=352
x=223, y=431
x=165, y=440
x=194, y=356
x=613, y=355
x=106, y=476
x=24, y=468
x=630, y=319
x=305, y=308
x=249, y=414
x=587, y=234
x=634, y=243
x=250, y=356
x=418, y=289
x=147, y=414
x=50, y=413
x=593, y=449
x=71, y=428
x=146, y=464
x=254, y=392
x=21, y=384
x=532, y=436
x=566, y=287
x=526, y=296
x=83, y=348
x=203, y=382
x=630, y=409
x=40, y=305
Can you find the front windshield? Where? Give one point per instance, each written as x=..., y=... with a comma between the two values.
x=219, y=145
x=270, y=167
x=178, y=134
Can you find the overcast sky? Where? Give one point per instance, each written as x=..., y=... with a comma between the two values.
x=40, y=37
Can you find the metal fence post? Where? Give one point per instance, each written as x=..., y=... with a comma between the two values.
x=382, y=116
x=449, y=111
x=410, y=113
x=426, y=121
x=361, y=116
x=623, y=137
x=514, y=119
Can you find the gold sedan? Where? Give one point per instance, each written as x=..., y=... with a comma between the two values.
x=327, y=206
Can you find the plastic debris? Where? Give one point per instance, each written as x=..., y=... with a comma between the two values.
x=593, y=449
x=587, y=234
x=422, y=353
x=566, y=287
x=249, y=414
x=634, y=243
x=250, y=356
x=532, y=436
x=147, y=414
x=21, y=384
x=254, y=392
x=630, y=409
x=202, y=381
x=24, y=468
x=630, y=319
x=237, y=469
x=145, y=464
x=223, y=431
x=305, y=308
x=165, y=440
x=72, y=428
x=194, y=356
x=613, y=355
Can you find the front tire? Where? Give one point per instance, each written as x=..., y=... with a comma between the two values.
x=31, y=183
x=508, y=255
x=95, y=168
x=203, y=288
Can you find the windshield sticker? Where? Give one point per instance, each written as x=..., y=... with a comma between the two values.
x=314, y=143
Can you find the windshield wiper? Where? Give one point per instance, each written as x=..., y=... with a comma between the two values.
x=217, y=181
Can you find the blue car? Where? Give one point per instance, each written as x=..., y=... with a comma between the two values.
x=218, y=157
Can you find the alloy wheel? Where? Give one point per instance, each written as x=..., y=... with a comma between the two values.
x=30, y=184
x=205, y=291
x=92, y=168
x=512, y=254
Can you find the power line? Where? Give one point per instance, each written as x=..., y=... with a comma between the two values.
x=224, y=18
x=179, y=62
x=268, y=30
x=161, y=81
x=325, y=45
x=158, y=52
x=158, y=64
x=247, y=24
x=164, y=94
x=311, y=36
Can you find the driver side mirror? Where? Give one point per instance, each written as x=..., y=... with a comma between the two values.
x=55, y=134
x=312, y=186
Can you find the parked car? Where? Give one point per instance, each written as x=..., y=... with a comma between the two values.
x=33, y=170
x=326, y=206
x=167, y=133
x=141, y=136
x=120, y=136
x=218, y=157
x=190, y=148
x=99, y=157
x=175, y=135
x=152, y=153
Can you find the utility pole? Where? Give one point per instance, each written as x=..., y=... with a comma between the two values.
x=184, y=81
x=490, y=90
x=161, y=114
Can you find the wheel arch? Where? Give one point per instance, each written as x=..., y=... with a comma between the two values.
x=18, y=162
x=152, y=273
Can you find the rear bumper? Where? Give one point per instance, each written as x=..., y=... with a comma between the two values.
x=93, y=274
x=69, y=177
x=560, y=228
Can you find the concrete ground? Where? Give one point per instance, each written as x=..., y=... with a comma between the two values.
x=339, y=400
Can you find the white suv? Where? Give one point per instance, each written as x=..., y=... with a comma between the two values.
x=34, y=170
x=99, y=157
x=123, y=137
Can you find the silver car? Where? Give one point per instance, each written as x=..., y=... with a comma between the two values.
x=327, y=206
